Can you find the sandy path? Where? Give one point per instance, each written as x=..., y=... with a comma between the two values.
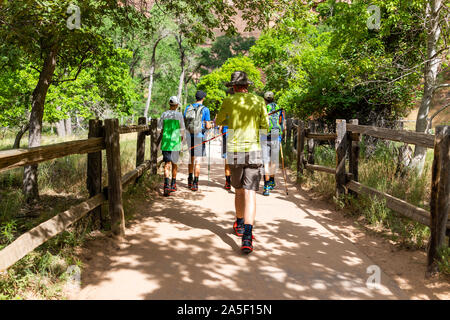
x=183, y=248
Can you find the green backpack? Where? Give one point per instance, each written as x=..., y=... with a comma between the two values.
x=274, y=118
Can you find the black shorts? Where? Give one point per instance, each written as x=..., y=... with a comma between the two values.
x=200, y=149
x=171, y=156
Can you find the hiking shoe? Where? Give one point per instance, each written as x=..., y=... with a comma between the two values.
x=194, y=186
x=227, y=186
x=190, y=181
x=238, y=229
x=247, y=244
x=173, y=187
x=266, y=190
x=166, y=191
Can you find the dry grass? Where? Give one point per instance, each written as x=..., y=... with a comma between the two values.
x=378, y=171
x=62, y=183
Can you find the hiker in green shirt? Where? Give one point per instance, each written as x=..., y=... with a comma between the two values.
x=172, y=125
x=245, y=114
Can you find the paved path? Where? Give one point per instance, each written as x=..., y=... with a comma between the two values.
x=183, y=248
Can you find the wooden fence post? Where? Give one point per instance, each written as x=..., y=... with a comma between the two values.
x=140, y=147
x=94, y=172
x=300, y=147
x=154, y=145
x=295, y=133
x=341, y=148
x=440, y=194
x=353, y=154
x=288, y=134
x=112, y=141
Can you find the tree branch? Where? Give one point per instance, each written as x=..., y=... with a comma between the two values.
x=430, y=119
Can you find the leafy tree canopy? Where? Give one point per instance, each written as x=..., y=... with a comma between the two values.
x=331, y=65
x=214, y=83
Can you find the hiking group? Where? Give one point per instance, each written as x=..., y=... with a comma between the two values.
x=251, y=128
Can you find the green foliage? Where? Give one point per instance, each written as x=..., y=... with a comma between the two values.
x=214, y=83
x=444, y=260
x=222, y=49
x=332, y=66
x=106, y=87
x=15, y=93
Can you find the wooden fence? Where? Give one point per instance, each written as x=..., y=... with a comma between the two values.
x=101, y=137
x=347, y=145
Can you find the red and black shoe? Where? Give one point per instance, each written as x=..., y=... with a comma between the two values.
x=247, y=244
x=173, y=187
x=166, y=190
x=190, y=182
x=194, y=186
x=227, y=186
x=238, y=229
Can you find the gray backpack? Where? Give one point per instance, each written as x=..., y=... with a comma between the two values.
x=193, y=119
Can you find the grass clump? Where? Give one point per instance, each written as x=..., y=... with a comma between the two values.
x=42, y=274
x=377, y=169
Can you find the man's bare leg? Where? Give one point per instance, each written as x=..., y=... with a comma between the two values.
x=174, y=170
x=227, y=169
x=239, y=203
x=197, y=170
x=167, y=170
x=250, y=206
x=227, y=176
x=167, y=167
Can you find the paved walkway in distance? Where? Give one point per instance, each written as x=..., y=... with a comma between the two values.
x=183, y=247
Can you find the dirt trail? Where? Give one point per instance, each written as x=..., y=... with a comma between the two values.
x=183, y=248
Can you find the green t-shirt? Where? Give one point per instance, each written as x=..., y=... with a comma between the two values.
x=171, y=123
x=244, y=114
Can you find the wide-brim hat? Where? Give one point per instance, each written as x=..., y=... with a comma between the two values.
x=239, y=78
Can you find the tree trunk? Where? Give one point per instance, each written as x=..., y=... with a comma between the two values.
x=185, y=93
x=431, y=69
x=182, y=65
x=61, y=128
x=152, y=72
x=68, y=125
x=150, y=88
x=19, y=135
x=181, y=82
x=78, y=122
x=30, y=183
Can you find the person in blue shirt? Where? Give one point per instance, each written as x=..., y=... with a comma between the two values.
x=197, y=119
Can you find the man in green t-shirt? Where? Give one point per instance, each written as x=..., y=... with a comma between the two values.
x=172, y=125
x=245, y=114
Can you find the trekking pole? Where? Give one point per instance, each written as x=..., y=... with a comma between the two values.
x=209, y=160
x=273, y=112
x=284, y=169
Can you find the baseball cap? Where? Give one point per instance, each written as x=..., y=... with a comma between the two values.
x=174, y=101
x=200, y=95
x=269, y=96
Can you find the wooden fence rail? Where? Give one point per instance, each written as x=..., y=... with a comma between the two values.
x=347, y=144
x=100, y=137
